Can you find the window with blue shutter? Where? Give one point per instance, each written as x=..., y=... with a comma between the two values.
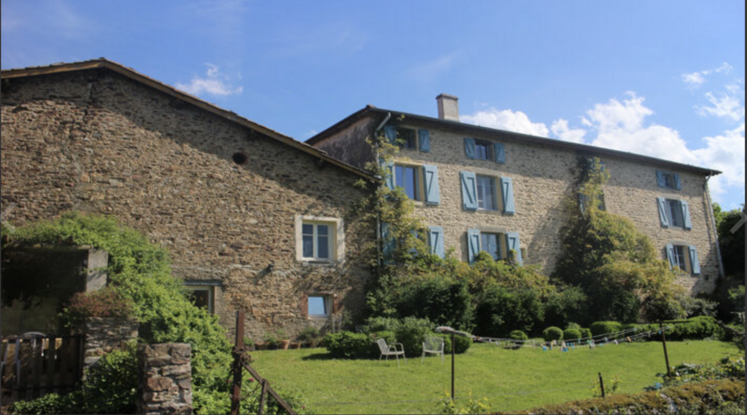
x=694, y=262
x=670, y=255
x=436, y=240
x=677, y=184
x=424, y=138
x=687, y=223
x=663, y=212
x=390, y=132
x=668, y=180
x=432, y=196
x=500, y=153
x=469, y=148
x=514, y=244
x=660, y=179
x=507, y=193
x=473, y=244
x=388, y=242
x=469, y=190
x=388, y=167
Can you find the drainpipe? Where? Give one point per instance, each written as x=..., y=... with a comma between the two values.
x=715, y=230
x=378, y=216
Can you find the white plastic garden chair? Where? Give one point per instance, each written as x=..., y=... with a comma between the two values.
x=391, y=350
x=434, y=345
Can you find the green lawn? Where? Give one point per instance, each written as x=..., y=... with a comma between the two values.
x=511, y=379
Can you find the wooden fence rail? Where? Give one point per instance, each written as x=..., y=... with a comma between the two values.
x=33, y=367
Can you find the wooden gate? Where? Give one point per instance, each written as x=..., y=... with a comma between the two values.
x=31, y=367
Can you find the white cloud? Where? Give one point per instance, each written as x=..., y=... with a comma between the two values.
x=506, y=120
x=696, y=79
x=560, y=129
x=214, y=83
x=724, y=152
x=723, y=106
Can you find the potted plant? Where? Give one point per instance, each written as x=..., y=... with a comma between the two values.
x=283, y=340
x=271, y=340
x=309, y=336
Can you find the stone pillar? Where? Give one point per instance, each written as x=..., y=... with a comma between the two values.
x=165, y=379
x=104, y=334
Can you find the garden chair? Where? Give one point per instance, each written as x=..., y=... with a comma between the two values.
x=434, y=345
x=391, y=350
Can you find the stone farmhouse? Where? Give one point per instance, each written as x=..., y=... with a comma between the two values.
x=252, y=218
x=484, y=189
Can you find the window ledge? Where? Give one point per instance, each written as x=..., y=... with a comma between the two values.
x=489, y=211
x=318, y=317
x=316, y=263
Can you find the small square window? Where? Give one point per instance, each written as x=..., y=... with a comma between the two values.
x=316, y=241
x=483, y=150
x=407, y=138
x=319, y=239
x=408, y=178
x=319, y=306
x=202, y=296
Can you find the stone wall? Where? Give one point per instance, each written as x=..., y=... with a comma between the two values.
x=165, y=379
x=543, y=178
x=104, y=334
x=98, y=142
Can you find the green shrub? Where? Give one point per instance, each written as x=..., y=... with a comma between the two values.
x=501, y=310
x=310, y=336
x=585, y=333
x=552, y=333
x=518, y=335
x=346, y=344
x=412, y=333
x=571, y=334
x=440, y=299
x=605, y=327
x=696, y=328
x=375, y=324
x=48, y=404
x=462, y=343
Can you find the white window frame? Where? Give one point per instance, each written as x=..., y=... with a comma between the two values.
x=495, y=188
x=336, y=238
x=328, y=305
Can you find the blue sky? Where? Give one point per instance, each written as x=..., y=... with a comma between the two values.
x=660, y=78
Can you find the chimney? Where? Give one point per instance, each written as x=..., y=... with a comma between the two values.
x=448, y=107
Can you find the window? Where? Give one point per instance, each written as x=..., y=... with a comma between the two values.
x=486, y=195
x=674, y=213
x=491, y=243
x=319, y=306
x=408, y=178
x=678, y=257
x=407, y=138
x=319, y=239
x=316, y=241
x=202, y=294
x=483, y=150
x=674, y=210
x=668, y=180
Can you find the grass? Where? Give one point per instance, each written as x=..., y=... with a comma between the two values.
x=512, y=380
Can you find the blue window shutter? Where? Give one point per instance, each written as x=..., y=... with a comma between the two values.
x=507, y=192
x=436, y=240
x=469, y=190
x=424, y=137
x=686, y=215
x=500, y=153
x=660, y=179
x=390, y=132
x=469, y=148
x=388, y=241
x=432, y=196
x=677, y=184
x=694, y=262
x=473, y=243
x=514, y=244
x=388, y=167
x=670, y=255
x=663, y=214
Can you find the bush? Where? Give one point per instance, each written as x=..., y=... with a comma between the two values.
x=605, y=327
x=309, y=335
x=585, y=333
x=518, y=335
x=462, y=343
x=696, y=328
x=375, y=324
x=440, y=299
x=346, y=344
x=412, y=333
x=571, y=334
x=501, y=310
x=552, y=333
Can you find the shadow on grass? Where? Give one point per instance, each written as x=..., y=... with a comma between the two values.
x=319, y=356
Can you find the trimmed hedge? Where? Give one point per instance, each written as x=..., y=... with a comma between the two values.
x=346, y=344
x=696, y=328
x=552, y=333
x=462, y=343
x=349, y=345
x=571, y=334
x=518, y=335
x=708, y=397
x=604, y=327
x=585, y=333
